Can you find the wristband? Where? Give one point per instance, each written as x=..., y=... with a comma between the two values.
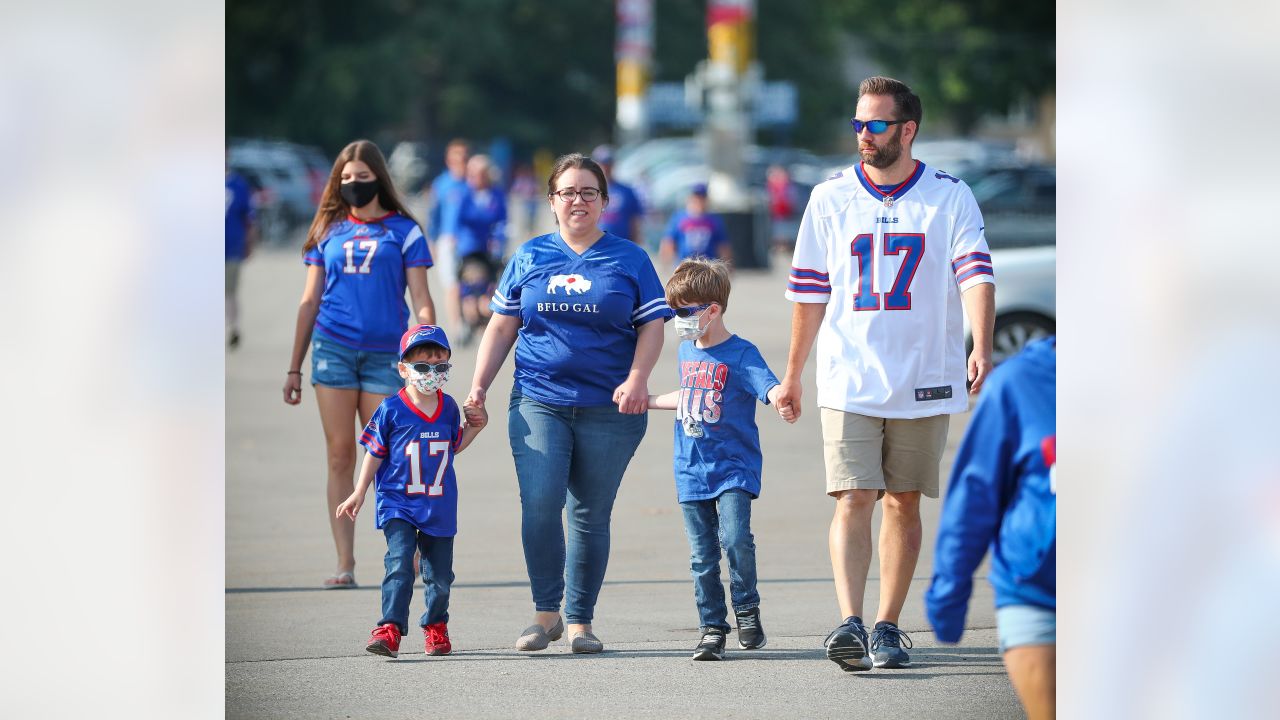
x=294, y=372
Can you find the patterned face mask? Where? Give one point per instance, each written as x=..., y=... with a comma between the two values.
x=429, y=381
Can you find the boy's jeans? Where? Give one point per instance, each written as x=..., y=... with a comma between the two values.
x=397, y=586
x=712, y=524
x=568, y=459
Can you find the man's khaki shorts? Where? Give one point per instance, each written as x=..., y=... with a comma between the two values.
x=871, y=453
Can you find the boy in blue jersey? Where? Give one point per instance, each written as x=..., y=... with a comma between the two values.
x=695, y=232
x=412, y=438
x=717, y=450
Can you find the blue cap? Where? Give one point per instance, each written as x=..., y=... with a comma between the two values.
x=423, y=335
x=699, y=189
x=603, y=154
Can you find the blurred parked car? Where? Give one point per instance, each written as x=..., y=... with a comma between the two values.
x=282, y=168
x=1026, y=298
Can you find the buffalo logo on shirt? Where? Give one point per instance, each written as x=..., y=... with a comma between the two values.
x=572, y=284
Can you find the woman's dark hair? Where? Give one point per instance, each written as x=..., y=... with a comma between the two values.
x=333, y=207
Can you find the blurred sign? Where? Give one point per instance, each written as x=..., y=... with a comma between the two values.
x=775, y=104
x=633, y=53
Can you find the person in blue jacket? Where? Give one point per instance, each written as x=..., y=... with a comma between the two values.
x=1003, y=496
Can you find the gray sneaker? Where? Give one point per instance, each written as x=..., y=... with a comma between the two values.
x=750, y=631
x=711, y=647
x=886, y=646
x=847, y=646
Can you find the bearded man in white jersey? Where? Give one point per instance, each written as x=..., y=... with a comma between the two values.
x=889, y=253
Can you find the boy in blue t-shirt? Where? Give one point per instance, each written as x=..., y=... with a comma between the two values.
x=412, y=438
x=717, y=450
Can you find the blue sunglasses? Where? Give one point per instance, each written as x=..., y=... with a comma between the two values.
x=875, y=126
x=685, y=312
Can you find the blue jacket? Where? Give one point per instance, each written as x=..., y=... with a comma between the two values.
x=1002, y=495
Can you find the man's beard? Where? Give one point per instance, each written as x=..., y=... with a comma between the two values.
x=882, y=157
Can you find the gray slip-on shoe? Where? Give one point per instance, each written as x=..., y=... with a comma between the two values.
x=585, y=643
x=536, y=637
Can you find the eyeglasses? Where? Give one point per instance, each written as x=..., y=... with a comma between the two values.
x=424, y=368
x=685, y=312
x=568, y=195
x=875, y=126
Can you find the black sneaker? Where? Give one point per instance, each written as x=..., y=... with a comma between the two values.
x=847, y=646
x=750, y=631
x=712, y=645
x=886, y=646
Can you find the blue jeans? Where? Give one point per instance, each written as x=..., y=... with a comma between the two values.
x=397, y=586
x=337, y=366
x=712, y=524
x=568, y=458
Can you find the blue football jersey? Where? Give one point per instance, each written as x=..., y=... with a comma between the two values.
x=415, y=482
x=717, y=444
x=481, y=225
x=447, y=192
x=239, y=213
x=364, y=265
x=579, y=316
x=699, y=236
x=624, y=204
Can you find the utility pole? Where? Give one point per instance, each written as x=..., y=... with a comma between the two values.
x=633, y=53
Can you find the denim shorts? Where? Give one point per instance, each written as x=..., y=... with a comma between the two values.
x=1019, y=625
x=337, y=366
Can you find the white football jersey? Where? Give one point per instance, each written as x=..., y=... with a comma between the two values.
x=891, y=268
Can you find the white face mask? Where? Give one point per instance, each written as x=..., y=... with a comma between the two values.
x=689, y=328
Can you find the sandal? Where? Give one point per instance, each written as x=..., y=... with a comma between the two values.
x=340, y=581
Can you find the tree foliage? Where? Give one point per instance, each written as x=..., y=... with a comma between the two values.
x=542, y=73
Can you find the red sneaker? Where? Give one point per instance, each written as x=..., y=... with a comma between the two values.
x=385, y=640
x=437, y=639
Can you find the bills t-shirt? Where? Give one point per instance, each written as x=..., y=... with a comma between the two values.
x=717, y=443
x=416, y=482
x=624, y=205
x=579, y=316
x=364, y=265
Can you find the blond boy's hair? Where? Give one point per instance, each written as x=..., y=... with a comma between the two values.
x=699, y=281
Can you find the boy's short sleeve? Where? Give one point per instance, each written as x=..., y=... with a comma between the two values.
x=756, y=373
x=415, y=250
x=377, y=433
x=506, y=298
x=651, y=301
x=456, y=440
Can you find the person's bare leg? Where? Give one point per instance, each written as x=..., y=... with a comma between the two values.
x=1033, y=672
x=900, y=531
x=849, y=541
x=338, y=418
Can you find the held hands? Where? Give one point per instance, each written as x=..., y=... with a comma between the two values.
x=293, y=388
x=788, y=399
x=979, y=368
x=632, y=396
x=787, y=412
x=475, y=415
x=350, y=507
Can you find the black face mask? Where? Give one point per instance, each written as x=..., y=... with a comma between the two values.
x=358, y=194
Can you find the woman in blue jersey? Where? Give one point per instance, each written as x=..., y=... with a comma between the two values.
x=587, y=308
x=362, y=251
